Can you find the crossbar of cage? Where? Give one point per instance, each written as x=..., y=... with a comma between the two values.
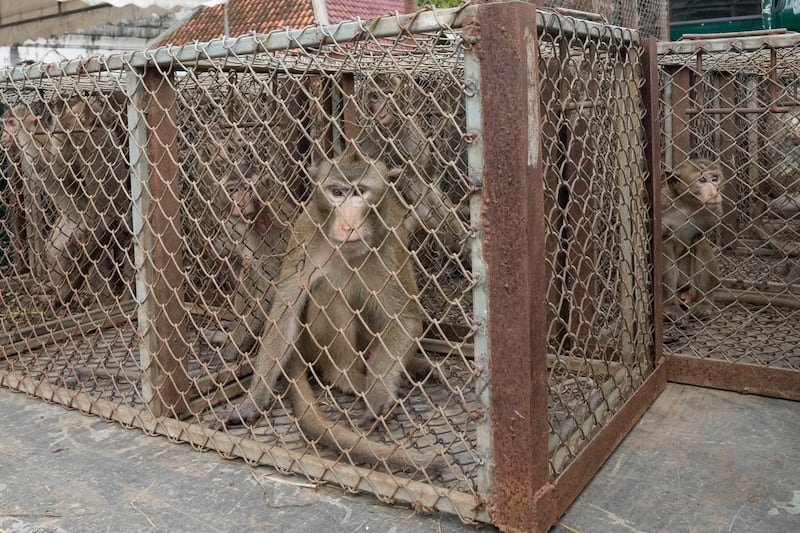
x=729, y=42
x=432, y=20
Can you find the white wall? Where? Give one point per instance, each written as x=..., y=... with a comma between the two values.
x=103, y=40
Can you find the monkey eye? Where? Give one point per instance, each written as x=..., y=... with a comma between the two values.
x=361, y=190
x=337, y=192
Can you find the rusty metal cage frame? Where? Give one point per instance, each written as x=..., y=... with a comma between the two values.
x=714, y=93
x=518, y=486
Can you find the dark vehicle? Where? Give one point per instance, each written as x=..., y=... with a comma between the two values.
x=720, y=16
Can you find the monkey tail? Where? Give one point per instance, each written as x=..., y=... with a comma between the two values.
x=317, y=426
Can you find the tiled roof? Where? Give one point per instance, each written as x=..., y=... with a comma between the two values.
x=262, y=16
x=339, y=10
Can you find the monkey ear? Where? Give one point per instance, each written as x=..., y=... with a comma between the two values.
x=313, y=173
x=669, y=178
x=88, y=117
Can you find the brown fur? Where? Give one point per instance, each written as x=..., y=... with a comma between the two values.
x=247, y=226
x=91, y=139
x=346, y=273
x=431, y=209
x=691, y=205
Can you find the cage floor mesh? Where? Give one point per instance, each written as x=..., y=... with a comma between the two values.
x=762, y=332
x=99, y=361
x=740, y=333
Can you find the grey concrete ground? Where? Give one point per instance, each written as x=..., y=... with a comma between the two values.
x=700, y=461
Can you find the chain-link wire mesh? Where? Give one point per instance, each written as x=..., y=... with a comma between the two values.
x=267, y=246
x=735, y=102
x=598, y=235
x=650, y=18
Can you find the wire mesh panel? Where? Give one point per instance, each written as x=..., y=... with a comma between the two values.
x=735, y=103
x=650, y=18
x=411, y=256
x=68, y=251
x=600, y=328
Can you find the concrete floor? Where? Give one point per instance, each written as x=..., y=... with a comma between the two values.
x=699, y=461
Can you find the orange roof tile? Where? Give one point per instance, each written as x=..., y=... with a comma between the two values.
x=339, y=10
x=262, y=16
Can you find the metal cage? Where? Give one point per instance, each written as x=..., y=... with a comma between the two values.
x=134, y=290
x=735, y=100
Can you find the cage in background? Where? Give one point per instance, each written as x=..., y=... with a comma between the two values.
x=735, y=100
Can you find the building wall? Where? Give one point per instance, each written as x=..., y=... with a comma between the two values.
x=103, y=40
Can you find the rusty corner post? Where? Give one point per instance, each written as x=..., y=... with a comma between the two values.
x=155, y=190
x=502, y=45
x=650, y=97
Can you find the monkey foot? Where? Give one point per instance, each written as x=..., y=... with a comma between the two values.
x=702, y=311
x=237, y=416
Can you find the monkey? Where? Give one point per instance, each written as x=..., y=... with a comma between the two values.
x=254, y=216
x=32, y=144
x=45, y=174
x=345, y=308
x=246, y=237
x=79, y=165
x=95, y=216
x=398, y=140
x=246, y=227
x=13, y=196
x=691, y=200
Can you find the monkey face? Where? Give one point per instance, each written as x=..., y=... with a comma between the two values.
x=379, y=105
x=707, y=187
x=10, y=126
x=241, y=197
x=349, y=225
x=22, y=127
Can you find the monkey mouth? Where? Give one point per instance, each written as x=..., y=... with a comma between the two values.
x=350, y=243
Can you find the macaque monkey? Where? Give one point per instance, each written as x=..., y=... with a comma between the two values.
x=91, y=138
x=345, y=308
x=25, y=135
x=255, y=219
x=45, y=172
x=13, y=196
x=81, y=167
x=247, y=225
x=692, y=206
x=399, y=141
x=247, y=235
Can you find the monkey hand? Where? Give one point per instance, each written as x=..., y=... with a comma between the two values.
x=674, y=313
